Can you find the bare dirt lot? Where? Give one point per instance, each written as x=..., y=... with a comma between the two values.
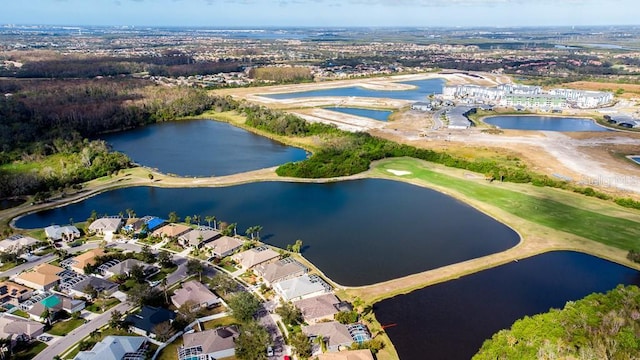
x=591, y=159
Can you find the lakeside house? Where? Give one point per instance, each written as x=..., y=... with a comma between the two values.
x=335, y=335
x=224, y=246
x=144, y=322
x=116, y=348
x=209, y=344
x=105, y=226
x=362, y=354
x=66, y=233
x=301, y=287
x=318, y=308
x=254, y=257
x=16, y=243
x=171, y=231
x=19, y=328
x=283, y=269
x=195, y=292
x=42, y=277
x=198, y=237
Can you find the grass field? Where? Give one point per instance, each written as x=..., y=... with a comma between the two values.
x=62, y=328
x=542, y=206
x=29, y=351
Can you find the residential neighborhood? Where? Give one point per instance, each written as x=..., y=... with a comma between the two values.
x=139, y=288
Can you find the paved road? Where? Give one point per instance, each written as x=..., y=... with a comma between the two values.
x=437, y=122
x=78, y=334
x=26, y=266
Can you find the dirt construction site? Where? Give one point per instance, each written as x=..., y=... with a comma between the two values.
x=595, y=159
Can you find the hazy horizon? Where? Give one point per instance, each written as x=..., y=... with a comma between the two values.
x=321, y=13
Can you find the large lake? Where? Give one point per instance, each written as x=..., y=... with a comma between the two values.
x=421, y=91
x=357, y=232
x=451, y=320
x=547, y=123
x=201, y=148
x=380, y=115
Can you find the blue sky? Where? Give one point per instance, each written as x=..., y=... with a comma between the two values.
x=341, y=13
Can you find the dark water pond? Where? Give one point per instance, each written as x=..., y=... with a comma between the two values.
x=451, y=320
x=546, y=123
x=201, y=148
x=422, y=90
x=381, y=115
x=9, y=203
x=357, y=232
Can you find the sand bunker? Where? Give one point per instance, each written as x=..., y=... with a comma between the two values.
x=399, y=172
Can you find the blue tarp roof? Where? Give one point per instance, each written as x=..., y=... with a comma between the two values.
x=154, y=223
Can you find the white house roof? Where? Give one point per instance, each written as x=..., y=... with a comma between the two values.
x=299, y=287
x=193, y=291
x=113, y=348
x=17, y=242
x=106, y=224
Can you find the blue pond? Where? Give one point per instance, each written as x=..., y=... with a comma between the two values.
x=201, y=148
x=635, y=159
x=423, y=88
x=452, y=319
x=358, y=232
x=381, y=115
x=546, y=123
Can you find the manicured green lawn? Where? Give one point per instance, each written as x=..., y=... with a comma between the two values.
x=173, y=245
x=62, y=328
x=98, y=304
x=170, y=352
x=547, y=211
x=21, y=314
x=212, y=324
x=29, y=351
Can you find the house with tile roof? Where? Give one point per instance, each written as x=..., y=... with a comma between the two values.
x=67, y=233
x=363, y=354
x=195, y=292
x=87, y=258
x=19, y=328
x=105, y=226
x=42, y=277
x=55, y=304
x=198, y=237
x=336, y=336
x=209, y=344
x=318, y=308
x=283, y=269
x=12, y=293
x=171, y=231
x=253, y=257
x=224, y=246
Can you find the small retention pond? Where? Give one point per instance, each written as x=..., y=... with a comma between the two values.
x=546, y=123
x=357, y=232
x=201, y=148
x=635, y=159
x=451, y=320
x=422, y=90
x=380, y=115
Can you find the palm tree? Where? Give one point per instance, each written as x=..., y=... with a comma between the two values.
x=196, y=219
x=130, y=213
x=250, y=231
x=209, y=219
x=257, y=229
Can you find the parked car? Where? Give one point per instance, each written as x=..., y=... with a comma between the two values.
x=269, y=351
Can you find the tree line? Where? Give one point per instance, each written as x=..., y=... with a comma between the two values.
x=600, y=326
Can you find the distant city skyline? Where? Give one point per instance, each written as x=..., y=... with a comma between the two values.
x=327, y=13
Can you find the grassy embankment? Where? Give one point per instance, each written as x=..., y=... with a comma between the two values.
x=547, y=219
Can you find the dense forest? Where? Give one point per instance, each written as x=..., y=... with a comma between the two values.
x=51, y=65
x=600, y=326
x=50, y=119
